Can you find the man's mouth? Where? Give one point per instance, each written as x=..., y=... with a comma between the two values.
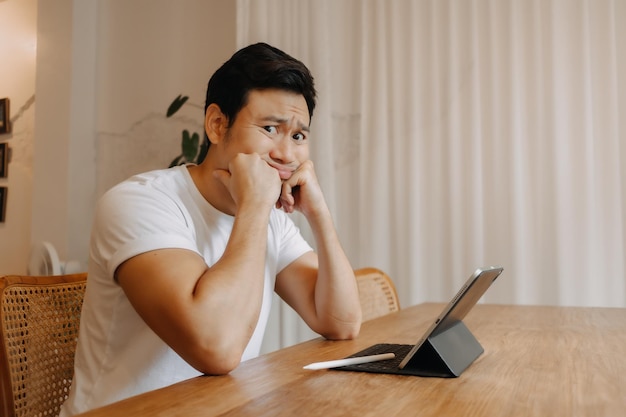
x=284, y=172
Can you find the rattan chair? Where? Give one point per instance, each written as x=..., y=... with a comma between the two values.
x=39, y=318
x=377, y=293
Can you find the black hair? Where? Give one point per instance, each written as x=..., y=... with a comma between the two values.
x=258, y=67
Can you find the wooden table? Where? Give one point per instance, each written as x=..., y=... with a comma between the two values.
x=538, y=361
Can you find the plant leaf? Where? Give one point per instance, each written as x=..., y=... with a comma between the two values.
x=190, y=145
x=176, y=105
x=177, y=161
x=204, y=148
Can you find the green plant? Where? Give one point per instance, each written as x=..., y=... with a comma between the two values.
x=193, y=151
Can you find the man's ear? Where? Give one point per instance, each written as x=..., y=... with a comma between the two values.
x=215, y=123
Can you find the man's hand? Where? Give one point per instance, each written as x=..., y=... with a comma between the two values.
x=302, y=191
x=250, y=181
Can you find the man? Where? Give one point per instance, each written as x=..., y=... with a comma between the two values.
x=183, y=261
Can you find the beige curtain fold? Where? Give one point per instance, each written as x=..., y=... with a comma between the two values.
x=455, y=134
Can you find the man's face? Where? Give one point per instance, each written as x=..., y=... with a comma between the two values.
x=275, y=125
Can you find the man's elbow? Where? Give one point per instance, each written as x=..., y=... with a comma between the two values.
x=349, y=334
x=343, y=331
x=217, y=361
x=221, y=367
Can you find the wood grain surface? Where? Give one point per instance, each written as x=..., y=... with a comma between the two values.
x=538, y=361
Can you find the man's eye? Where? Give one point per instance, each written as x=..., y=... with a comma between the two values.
x=299, y=137
x=270, y=129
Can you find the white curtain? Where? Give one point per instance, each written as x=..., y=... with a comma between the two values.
x=456, y=134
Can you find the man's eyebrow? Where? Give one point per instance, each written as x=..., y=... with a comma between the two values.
x=280, y=120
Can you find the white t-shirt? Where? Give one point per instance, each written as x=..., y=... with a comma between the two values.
x=118, y=355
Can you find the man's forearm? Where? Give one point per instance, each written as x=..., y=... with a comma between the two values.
x=231, y=290
x=336, y=294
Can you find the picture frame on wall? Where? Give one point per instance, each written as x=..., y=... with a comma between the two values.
x=3, y=203
x=5, y=121
x=4, y=160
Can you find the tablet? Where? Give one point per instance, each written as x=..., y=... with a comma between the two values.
x=447, y=348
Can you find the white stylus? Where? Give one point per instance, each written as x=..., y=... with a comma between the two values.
x=350, y=361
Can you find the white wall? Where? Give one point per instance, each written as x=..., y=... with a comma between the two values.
x=106, y=70
x=180, y=44
x=18, y=43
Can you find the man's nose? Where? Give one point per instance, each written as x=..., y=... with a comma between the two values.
x=283, y=151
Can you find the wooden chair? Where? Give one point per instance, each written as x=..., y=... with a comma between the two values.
x=39, y=318
x=377, y=292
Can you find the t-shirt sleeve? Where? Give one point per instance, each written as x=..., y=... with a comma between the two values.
x=292, y=244
x=131, y=219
